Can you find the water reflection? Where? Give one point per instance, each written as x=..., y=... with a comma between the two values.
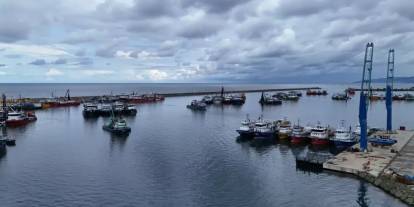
x=363, y=200
x=118, y=140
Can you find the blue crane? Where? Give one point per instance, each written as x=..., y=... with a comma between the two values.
x=389, y=88
x=366, y=92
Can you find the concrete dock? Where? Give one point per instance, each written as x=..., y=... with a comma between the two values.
x=384, y=166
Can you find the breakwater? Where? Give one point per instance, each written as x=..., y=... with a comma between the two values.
x=194, y=93
x=383, y=89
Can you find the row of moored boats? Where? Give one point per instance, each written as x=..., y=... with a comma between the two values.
x=277, y=98
x=231, y=99
x=318, y=135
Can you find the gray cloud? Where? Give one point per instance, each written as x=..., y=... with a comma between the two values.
x=214, y=6
x=60, y=61
x=227, y=39
x=80, y=53
x=2, y=65
x=13, y=56
x=38, y=62
x=83, y=61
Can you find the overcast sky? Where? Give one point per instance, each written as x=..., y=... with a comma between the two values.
x=201, y=41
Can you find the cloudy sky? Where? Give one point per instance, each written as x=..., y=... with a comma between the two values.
x=201, y=40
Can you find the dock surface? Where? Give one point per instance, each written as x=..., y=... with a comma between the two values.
x=372, y=162
x=385, y=167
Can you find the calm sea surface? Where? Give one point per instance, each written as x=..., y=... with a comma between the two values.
x=176, y=157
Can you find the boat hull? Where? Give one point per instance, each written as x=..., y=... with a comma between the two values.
x=342, y=144
x=298, y=139
x=319, y=141
x=16, y=123
x=283, y=135
x=264, y=135
x=90, y=113
x=246, y=134
x=117, y=131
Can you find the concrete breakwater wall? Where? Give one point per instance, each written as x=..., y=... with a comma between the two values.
x=390, y=184
x=90, y=98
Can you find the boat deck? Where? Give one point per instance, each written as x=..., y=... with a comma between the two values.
x=378, y=157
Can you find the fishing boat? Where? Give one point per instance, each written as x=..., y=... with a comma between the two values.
x=207, y=99
x=129, y=110
x=319, y=135
x=299, y=134
x=238, y=99
x=197, y=105
x=118, y=108
x=381, y=140
x=10, y=141
x=292, y=96
x=227, y=99
x=246, y=130
x=280, y=95
x=340, y=97
x=90, y=110
x=298, y=93
x=285, y=129
x=217, y=99
x=16, y=119
x=117, y=125
x=376, y=97
x=105, y=110
x=68, y=101
x=267, y=100
x=344, y=137
x=398, y=97
x=144, y=98
x=2, y=147
x=408, y=97
x=350, y=91
x=357, y=130
x=26, y=106
x=31, y=116
x=316, y=92
x=264, y=129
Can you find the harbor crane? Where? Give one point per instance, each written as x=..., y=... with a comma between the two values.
x=366, y=93
x=389, y=88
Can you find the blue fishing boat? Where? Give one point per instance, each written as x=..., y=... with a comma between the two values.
x=344, y=137
x=264, y=129
x=382, y=140
x=246, y=130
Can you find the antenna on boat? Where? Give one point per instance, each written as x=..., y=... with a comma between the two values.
x=68, y=94
x=5, y=110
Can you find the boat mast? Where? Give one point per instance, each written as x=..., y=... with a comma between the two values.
x=68, y=94
x=389, y=88
x=366, y=93
x=5, y=110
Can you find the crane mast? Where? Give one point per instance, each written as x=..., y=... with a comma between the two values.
x=366, y=93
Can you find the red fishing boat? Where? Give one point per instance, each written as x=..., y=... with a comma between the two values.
x=299, y=134
x=319, y=135
x=16, y=119
x=146, y=98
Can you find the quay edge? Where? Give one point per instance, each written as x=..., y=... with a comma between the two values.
x=382, y=166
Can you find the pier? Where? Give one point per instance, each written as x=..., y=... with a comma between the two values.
x=388, y=167
x=238, y=91
x=176, y=94
x=383, y=89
